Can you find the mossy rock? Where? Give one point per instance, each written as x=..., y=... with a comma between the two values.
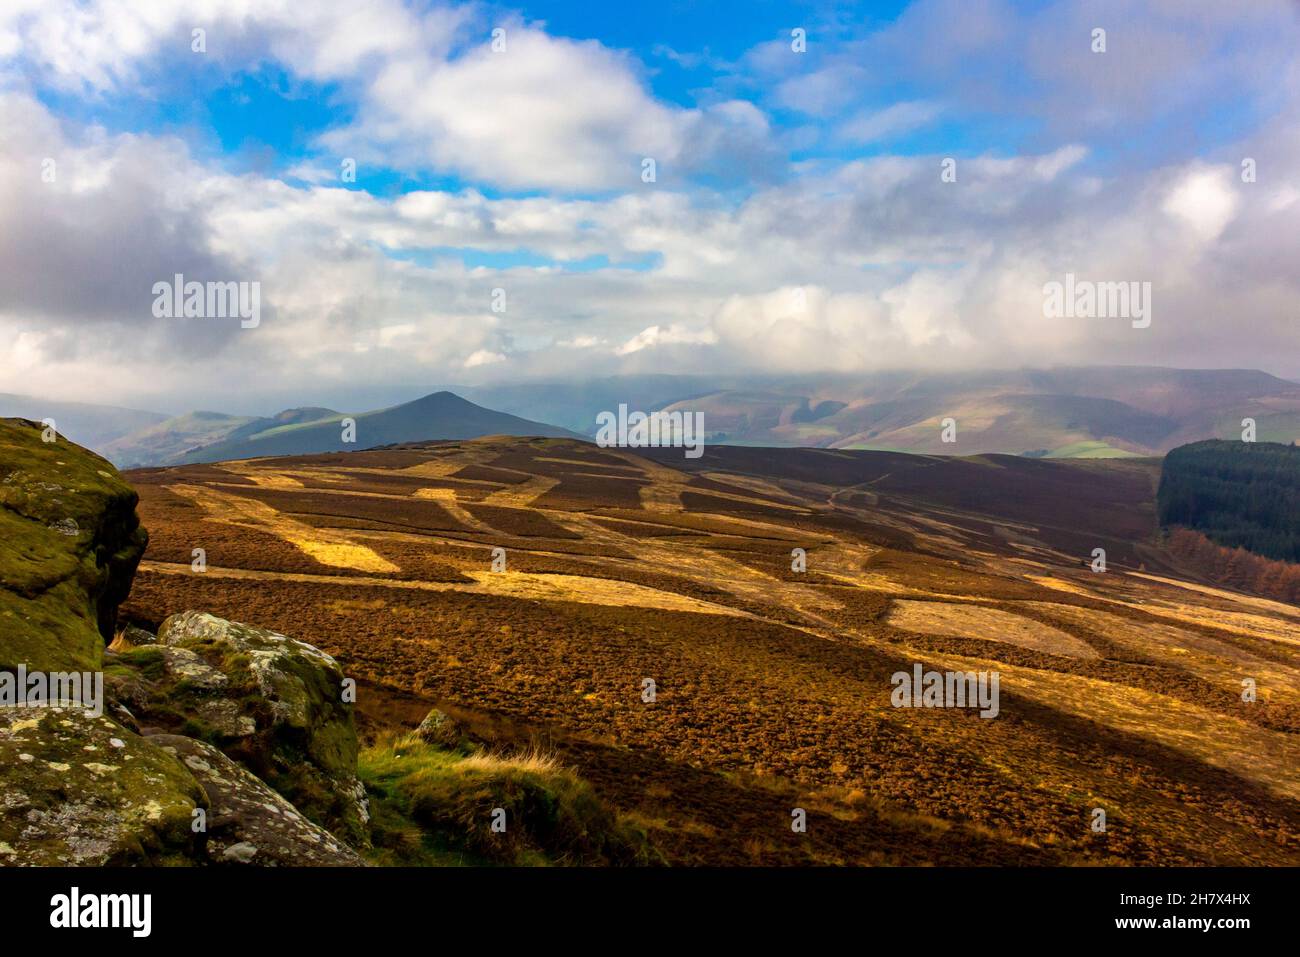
x=70, y=542
x=80, y=789
x=442, y=730
x=272, y=703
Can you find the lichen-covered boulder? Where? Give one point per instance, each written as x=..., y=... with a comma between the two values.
x=272, y=703
x=77, y=789
x=441, y=729
x=70, y=542
x=248, y=823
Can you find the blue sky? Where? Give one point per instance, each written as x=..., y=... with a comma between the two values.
x=262, y=117
x=797, y=221
x=254, y=112
x=258, y=115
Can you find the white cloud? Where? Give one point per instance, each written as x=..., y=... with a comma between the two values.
x=481, y=357
x=432, y=94
x=894, y=120
x=819, y=93
x=653, y=336
x=581, y=342
x=545, y=112
x=1205, y=199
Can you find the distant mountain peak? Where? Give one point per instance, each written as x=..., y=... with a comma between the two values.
x=437, y=416
x=441, y=396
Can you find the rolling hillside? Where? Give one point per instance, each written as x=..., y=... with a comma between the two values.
x=1119, y=691
x=174, y=439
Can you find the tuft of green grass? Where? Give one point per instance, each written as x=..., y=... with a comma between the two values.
x=147, y=661
x=431, y=806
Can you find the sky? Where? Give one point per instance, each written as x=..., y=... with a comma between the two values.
x=836, y=188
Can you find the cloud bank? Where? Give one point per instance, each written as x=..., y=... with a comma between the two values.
x=799, y=218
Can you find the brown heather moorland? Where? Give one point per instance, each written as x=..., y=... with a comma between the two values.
x=1120, y=690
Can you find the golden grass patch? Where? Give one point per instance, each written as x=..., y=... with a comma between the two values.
x=592, y=591
x=446, y=497
x=1251, y=601
x=326, y=546
x=1216, y=661
x=1267, y=757
x=525, y=585
x=524, y=494
x=344, y=555
x=991, y=624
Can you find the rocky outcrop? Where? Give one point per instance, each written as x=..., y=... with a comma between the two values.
x=219, y=743
x=71, y=543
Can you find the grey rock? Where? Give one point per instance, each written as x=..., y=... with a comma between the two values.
x=440, y=728
x=249, y=823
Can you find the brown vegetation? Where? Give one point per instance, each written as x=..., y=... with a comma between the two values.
x=1235, y=567
x=1119, y=690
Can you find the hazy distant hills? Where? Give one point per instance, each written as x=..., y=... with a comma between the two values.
x=93, y=426
x=1085, y=412
x=1057, y=413
x=574, y=404
x=131, y=438
x=172, y=440
x=167, y=440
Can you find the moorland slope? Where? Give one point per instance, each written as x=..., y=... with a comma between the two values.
x=1121, y=690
